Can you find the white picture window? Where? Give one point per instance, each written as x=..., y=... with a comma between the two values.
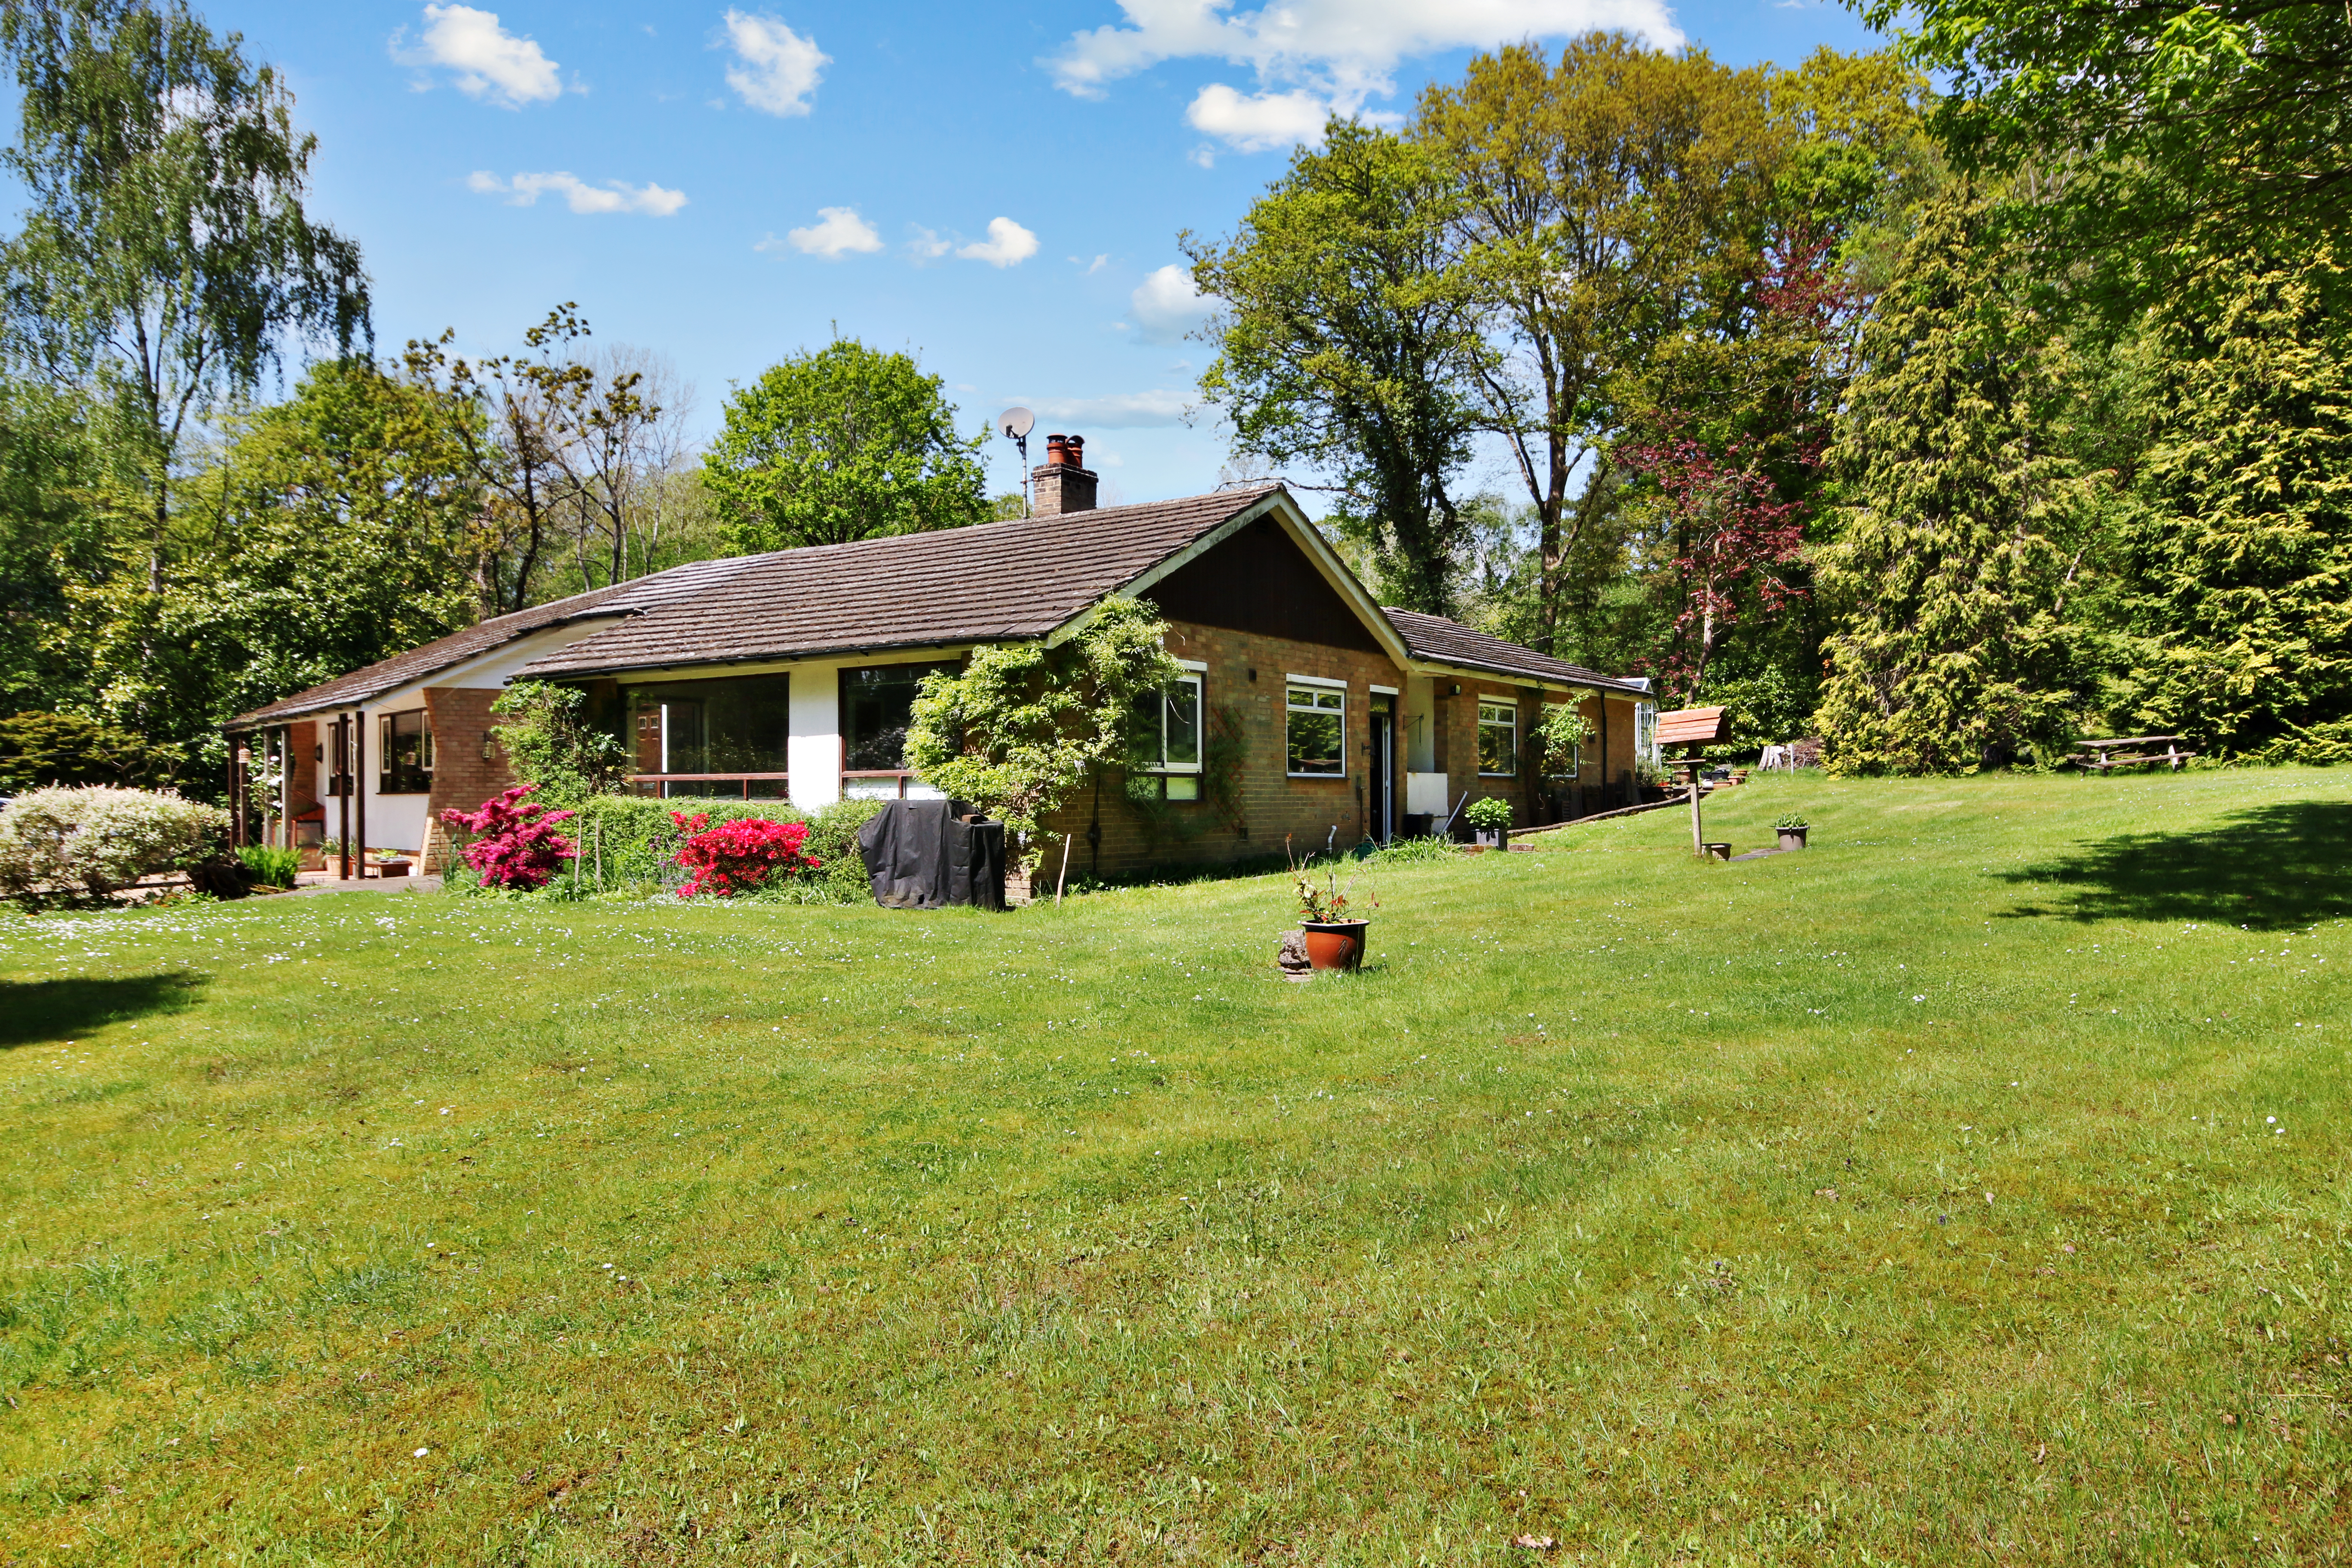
x=1317, y=732
x=1168, y=739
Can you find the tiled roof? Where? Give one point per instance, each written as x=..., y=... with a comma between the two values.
x=988, y=581
x=1441, y=641
x=366, y=684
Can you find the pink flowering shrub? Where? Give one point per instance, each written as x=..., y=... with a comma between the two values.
x=736, y=857
x=515, y=842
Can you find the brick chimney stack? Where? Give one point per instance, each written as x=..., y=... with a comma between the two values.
x=1064, y=484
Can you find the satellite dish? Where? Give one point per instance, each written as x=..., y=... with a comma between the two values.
x=1016, y=423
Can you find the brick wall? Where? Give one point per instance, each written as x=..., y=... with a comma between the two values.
x=459, y=716
x=1454, y=719
x=1271, y=801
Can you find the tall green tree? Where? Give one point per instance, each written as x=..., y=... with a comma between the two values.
x=166, y=259
x=1949, y=570
x=842, y=443
x=59, y=506
x=1605, y=198
x=1348, y=341
x=2233, y=560
x=331, y=530
x=2164, y=135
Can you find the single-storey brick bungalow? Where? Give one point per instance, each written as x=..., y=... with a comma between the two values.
x=1311, y=710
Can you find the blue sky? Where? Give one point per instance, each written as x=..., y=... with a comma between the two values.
x=995, y=188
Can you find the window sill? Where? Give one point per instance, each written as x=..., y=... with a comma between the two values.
x=1318, y=778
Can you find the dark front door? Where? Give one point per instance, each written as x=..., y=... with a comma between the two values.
x=1383, y=766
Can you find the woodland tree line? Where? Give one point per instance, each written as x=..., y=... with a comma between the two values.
x=1946, y=426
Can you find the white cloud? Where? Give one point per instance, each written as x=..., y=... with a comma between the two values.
x=1007, y=244
x=776, y=69
x=1340, y=51
x=926, y=245
x=491, y=63
x=838, y=232
x=1255, y=122
x=1166, y=306
x=1123, y=411
x=612, y=196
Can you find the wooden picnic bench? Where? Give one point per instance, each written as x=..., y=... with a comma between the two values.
x=2099, y=756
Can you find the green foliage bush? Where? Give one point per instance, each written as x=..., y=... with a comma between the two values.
x=1021, y=725
x=1766, y=708
x=548, y=742
x=628, y=845
x=1489, y=813
x=272, y=868
x=1411, y=851
x=60, y=844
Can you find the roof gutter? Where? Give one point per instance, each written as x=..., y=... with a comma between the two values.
x=1524, y=677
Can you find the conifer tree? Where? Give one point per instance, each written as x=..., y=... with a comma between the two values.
x=2236, y=556
x=1950, y=654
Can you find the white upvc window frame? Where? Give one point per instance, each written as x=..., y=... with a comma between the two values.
x=1511, y=707
x=1320, y=686
x=1181, y=781
x=1196, y=677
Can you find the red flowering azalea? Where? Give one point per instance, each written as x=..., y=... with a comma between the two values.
x=515, y=842
x=736, y=857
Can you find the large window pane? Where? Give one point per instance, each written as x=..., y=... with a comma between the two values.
x=1182, y=747
x=878, y=703
x=742, y=725
x=1317, y=732
x=404, y=759
x=1168, y=730
x=1498, y=738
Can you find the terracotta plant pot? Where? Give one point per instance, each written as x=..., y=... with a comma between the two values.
x=1793, y=838
x=392, y=867
x=1334, y=944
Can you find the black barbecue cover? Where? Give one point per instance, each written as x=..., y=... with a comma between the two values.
x=921, y=854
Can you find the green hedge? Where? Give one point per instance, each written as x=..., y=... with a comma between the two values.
x=629, y=848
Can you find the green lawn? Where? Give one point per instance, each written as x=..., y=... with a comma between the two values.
x=1970, y=1187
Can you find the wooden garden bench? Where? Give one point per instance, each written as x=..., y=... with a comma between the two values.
x=2099, y=756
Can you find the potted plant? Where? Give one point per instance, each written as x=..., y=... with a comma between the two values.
x=1334, y=937
x=1492, y=819
x=1791, y=829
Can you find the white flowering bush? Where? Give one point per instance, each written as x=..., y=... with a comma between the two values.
x=58, y=844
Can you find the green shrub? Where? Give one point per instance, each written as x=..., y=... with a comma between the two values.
x=1488, y=814
x=272, y=868
x=1411, y=851
x=92, y=841
x=628, y=843
x=1790, y=821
